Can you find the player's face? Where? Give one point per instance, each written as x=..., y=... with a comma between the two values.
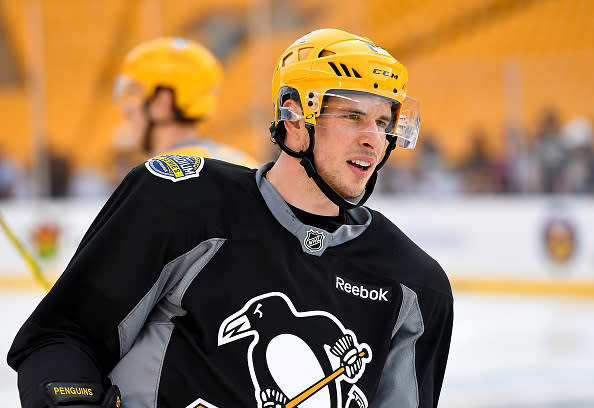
x=130, y=97
x=350, y=141
x=138, y=112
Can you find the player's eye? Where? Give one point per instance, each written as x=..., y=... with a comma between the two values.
x=352, y=116
x=258, y=310
x=382, y=124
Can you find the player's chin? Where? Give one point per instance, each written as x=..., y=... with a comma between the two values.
x=353, y=192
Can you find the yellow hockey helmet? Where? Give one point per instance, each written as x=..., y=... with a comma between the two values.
x=334, y=60
x=334, y=63
x=186, y=67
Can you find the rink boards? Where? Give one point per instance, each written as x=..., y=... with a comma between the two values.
x=485, y=244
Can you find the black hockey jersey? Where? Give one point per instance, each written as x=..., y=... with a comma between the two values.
x=196, y=286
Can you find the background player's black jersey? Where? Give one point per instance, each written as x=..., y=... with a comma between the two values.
x=197, y=286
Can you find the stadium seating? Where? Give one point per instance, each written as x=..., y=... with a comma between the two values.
x=487, y=63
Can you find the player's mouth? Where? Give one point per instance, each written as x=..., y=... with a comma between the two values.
x=361, y=167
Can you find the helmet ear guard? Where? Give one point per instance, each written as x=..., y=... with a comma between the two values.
x=278, y=133
x=278, y=130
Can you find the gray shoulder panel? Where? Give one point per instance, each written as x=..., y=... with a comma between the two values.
x=398, y=386
x=138, y=373
x=175, y=277
x=146, y=331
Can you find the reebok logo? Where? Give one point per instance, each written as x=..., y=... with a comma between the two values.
x=365, y=292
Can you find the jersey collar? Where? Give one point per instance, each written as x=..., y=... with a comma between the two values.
x=314, y=240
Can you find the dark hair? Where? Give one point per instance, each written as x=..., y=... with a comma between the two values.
x=179, y=116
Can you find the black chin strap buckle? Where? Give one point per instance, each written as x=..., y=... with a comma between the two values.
x=272, y=129
x=308, y=166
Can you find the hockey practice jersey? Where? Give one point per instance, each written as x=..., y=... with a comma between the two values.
x=197, y=286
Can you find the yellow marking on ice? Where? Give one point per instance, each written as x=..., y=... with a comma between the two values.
x=560, y=288
x=23, y=282
x=29, y=259
x=524, y=287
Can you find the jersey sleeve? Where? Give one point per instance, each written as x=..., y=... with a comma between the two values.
x=75, y=333
x=415, y=366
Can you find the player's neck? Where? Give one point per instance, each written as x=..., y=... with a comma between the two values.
x=166, y=136
x=289, y=178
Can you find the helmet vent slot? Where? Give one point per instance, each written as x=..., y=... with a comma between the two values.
x=334, y=68
x=288, y=59
x=303, y=52
x=346, y=70
x=325, y=53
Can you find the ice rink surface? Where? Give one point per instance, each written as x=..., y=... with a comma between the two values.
x=507, y=351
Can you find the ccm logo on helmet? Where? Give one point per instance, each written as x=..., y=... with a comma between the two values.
x=390, y=74
x=366, y=292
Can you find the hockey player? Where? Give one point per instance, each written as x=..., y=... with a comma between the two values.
x=202, y=284
x=165, y=88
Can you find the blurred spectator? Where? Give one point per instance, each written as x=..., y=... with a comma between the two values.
x=558, y=160
x=479, y=173
x=14, y=180
x=394, y=179
x=551, y=152
x=60, y=174
x=9, y=176
x=578, y=174
x=523, y=164
x=87, y=182
x=429, y=175
x=434, y=176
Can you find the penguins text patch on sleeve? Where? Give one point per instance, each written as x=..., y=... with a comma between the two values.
x=175, y=167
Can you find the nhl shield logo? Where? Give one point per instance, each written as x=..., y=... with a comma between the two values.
x=314, y=240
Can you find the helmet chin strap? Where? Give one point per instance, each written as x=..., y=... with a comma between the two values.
x=307, y=161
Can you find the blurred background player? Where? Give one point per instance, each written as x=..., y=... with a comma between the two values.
x=166, y=88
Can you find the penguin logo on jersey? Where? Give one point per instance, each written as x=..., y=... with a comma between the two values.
x=200, y=403
x=175, y=167
x=305, y=359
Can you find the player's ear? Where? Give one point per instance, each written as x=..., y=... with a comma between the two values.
x=296, y=137
x=162, y=103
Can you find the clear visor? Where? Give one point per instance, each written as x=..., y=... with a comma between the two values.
x=366, y=112
x=128, y=92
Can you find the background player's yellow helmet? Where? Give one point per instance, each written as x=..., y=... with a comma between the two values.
x=186, y=67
